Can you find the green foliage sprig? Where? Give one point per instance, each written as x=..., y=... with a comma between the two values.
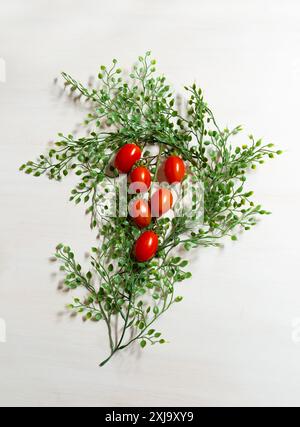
x=141, y=108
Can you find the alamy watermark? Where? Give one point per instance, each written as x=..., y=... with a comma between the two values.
x=2, y=71
x=187, y=198
x=2, y=331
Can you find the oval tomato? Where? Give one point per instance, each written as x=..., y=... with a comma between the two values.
x=139, y=210
x=174, y=169
x=141, y=175
x=127, y=156
x=146, y=246
x=161, y=202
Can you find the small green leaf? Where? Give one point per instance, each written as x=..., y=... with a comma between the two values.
x=155, y=310
x=183, y=263
x=143, y=343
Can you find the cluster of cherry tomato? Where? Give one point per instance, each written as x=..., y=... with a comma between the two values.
x=161, y=201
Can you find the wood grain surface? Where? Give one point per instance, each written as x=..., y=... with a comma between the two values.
x=235, y=339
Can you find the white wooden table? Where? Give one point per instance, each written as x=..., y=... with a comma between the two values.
x=235, y=340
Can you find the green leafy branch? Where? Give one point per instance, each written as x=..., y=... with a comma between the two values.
x=141, y=108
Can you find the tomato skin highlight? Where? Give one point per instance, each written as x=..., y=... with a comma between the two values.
x=141, y=175
x=174, y=169
x=161, y=202
x=126, y=157
x=140, y=212
x=146, y=246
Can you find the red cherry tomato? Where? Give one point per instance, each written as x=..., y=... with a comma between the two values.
x=127, y=156
x=161, y=202
x=141, y=175
x=140, y=211
x=146, y=246
x=174, y=169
